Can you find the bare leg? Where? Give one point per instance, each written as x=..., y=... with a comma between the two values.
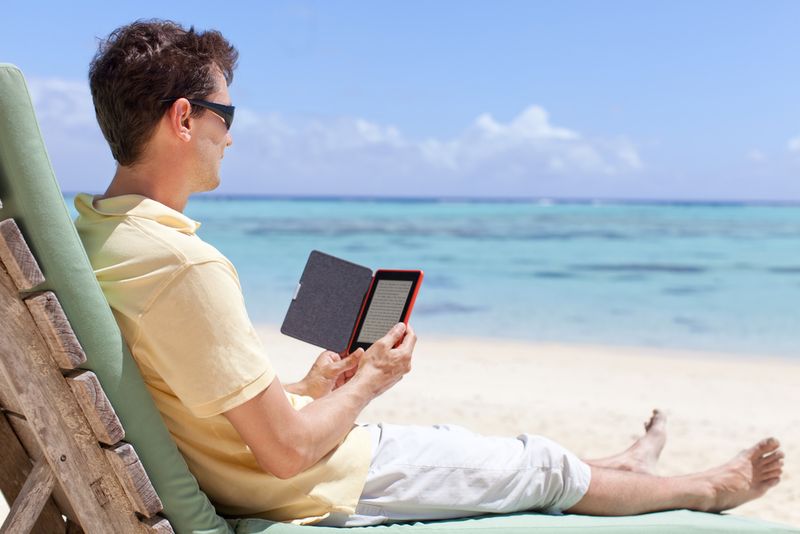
x=641, y=457
x=746, y=477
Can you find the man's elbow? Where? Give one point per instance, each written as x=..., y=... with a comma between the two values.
x=285, y=469
x=288, y=464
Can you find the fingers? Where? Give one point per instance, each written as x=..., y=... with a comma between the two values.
x=358, y=353
x=354, y=359
x=393, y=336
x=347, y=368
x=405, y=349
x=350, y=362
x=409, y=341
x=328, y=355
x=389, y=358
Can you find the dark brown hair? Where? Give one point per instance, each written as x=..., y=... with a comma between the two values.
x=141, y=64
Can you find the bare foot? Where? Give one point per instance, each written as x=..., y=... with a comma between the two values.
x=748, y=476
x=641, y=457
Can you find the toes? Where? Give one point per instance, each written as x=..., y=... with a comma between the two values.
x=770, y=444
x=774, y=465
x=658, y=416
x=765, y=446
x=777, y=455
x=776, y=458
x=771, y=469
x=772, y=473
x=768, y=460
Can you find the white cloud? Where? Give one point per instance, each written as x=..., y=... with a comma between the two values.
x=275, y=153
x=66, y=102
x=79, y=153
x=526, y=147
x=794, y=144
x=756, y=155
x=532, y=125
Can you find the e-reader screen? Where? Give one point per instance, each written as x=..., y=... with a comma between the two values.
x=385, y=310
x=389, y=301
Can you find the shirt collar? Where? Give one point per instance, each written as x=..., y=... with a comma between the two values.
x=135, y=206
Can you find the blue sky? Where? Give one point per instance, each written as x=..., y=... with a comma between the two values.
x=669, y=100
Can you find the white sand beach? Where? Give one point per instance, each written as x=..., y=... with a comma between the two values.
x=594, y=399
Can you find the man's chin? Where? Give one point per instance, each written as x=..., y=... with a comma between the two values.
x=211, y=185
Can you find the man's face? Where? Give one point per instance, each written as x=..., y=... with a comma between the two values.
x=211, y=137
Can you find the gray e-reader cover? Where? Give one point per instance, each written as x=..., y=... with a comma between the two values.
x=327, y=301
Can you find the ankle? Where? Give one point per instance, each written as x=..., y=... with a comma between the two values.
x=703, y=495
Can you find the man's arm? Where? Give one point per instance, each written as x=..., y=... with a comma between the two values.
x=286, y=442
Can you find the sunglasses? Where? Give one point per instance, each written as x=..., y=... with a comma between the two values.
x=226, y=112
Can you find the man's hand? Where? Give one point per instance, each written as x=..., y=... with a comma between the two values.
x=329, y=372
x=387, y=360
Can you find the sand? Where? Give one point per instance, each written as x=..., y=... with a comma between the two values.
x=594, y=400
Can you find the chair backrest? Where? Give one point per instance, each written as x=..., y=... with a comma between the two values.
x=31, y=196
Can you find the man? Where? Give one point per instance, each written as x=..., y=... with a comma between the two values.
x=294, y=452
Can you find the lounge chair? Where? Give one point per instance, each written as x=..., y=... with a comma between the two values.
x=82, y=446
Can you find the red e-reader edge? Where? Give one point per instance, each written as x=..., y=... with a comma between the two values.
x=404, y=319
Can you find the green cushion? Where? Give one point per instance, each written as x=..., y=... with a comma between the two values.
x=664, y=522
x=30, y=194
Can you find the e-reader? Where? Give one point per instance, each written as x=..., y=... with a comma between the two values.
x=389, y=301
x=333, y=305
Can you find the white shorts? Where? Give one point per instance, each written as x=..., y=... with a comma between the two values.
x=445, y=472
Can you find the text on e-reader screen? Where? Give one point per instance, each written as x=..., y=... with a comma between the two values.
x=385, y=310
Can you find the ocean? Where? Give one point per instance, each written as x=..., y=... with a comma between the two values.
x=704, y=276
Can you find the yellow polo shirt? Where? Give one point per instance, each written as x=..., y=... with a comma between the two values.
x=180, y=307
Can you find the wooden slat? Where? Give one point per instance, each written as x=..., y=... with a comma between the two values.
x=99, y=486
x=8, y=401
x=17, y=257
x=131, y=473
x=62, y=432
x=96, y=407
x=31, y=499
x=158, y=525
x=28, y=440
x=15, y=467
x=25, y=435
x=57, y=332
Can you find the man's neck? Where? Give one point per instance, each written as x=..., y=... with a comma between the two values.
x=148, y=182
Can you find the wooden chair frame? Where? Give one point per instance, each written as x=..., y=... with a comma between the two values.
x=63, y=465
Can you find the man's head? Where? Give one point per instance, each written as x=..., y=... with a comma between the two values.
x=142, y=68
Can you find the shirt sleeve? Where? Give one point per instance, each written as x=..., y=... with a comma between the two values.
x=196, y=335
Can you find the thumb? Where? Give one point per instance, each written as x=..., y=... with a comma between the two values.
x=351, y=361
x=356, y=357
x=394, y=335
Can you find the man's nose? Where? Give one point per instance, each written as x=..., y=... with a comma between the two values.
x=229, y=140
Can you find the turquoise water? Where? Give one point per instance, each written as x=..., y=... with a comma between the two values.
x=713, y=277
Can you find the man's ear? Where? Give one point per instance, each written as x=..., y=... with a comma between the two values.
x=180, y=121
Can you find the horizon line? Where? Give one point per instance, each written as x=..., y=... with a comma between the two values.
x=544, y=200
